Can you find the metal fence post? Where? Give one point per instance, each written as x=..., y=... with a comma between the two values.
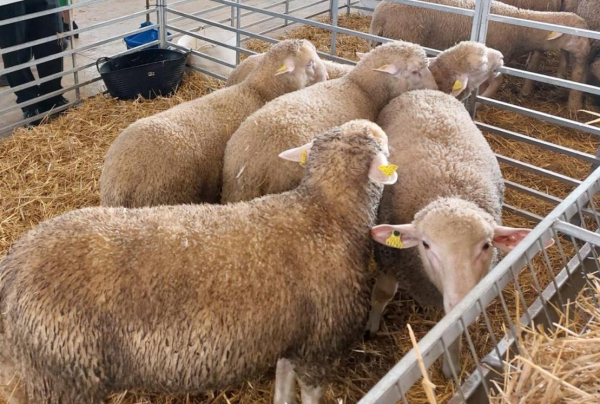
x=161, y=8
x=73, y=56
x=287, y=11
x=238, y=36
x=348, y=7
x=479, y=34
x=334, y=22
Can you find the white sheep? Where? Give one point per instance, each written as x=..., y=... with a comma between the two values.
x=448, y=201
x=249, y=169
x=210, y=49
x=534, y=58
x=440, y=30
x=189, y=298
x=176, y=156
x=334, y=70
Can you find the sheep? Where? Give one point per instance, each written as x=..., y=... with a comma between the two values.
x=296, y=118
x=219, y=52
x=334, y=70
x=535, y=57
x=448, y=198
x=465, y=66
x=189, y=298
x=248, y=170
x=176, y=156
x=440, y=30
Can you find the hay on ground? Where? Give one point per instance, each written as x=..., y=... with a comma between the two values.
x=54, y=168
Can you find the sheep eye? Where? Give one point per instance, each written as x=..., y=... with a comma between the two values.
x=486, y=246
x=309, y=64
x=416, y=73
x=426, y=245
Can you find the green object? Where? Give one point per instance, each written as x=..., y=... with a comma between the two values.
x=63, y=3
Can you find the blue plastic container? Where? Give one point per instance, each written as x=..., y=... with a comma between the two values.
x=133, y=41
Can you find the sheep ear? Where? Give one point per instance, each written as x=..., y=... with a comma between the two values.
x=396, y=236
x=299, y=154
x=360, y=55
x=288, y=66
x=554, y=35
x=381, y=171
x=507, y=238
x=460, y=85
x=389, y=69
x=257, y=57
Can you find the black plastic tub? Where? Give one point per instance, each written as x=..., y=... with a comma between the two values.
x=149, y=73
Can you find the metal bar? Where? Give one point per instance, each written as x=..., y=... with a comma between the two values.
x=523, y=213
x=287, y=11
x=543, y=196
x=577, y=232
x=334, y=22
x=435, y=6
x=406, y=372
x=317, y=24
x=588, y=158
x=47, y=96
x=40, y=116
x=76, y=69
x=204, y=38
x=56, y=10
x=542, y=78
x=161, y=11
x=208, y=72
x=563, y=281
x=69, y=52
x=73, y=56
x=72, y=32
x=542, y=116
x=238, y=37
x=537, y=170
x=286, y=23
x=545, y=26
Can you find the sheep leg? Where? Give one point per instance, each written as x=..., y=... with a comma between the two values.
x=494, y=85
x=578, y=75
x=563, y=64
x=285, y=383
x=310, y=394
x=532, y=65
x=452, y=357
x=383, y=292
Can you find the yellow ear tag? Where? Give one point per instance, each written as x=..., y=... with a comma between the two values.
x=388, y=170
x=303, y=157
x=394, y=240
x=457, y=86
x=552, y=34
x=282, y=69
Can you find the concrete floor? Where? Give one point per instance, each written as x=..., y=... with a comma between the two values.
x=110, y=9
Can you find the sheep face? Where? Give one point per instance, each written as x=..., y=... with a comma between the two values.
x=346, y=140
x=481, y=65
x=408, y=74
x=305, y=65
x=455, y=240
x=576, y=45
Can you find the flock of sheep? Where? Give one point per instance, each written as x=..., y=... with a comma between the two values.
x=236, y=229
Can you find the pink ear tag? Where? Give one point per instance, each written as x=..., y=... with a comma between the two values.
x=395, y=240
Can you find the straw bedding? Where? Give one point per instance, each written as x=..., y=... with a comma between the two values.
x=562, y=365
x=54, y=168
